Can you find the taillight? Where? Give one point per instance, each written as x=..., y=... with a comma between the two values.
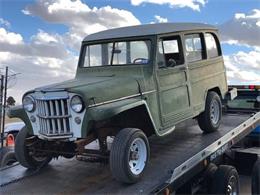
x=10, y=140
x=251, y=87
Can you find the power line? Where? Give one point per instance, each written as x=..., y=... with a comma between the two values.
x=4, y=85
x=4, y=106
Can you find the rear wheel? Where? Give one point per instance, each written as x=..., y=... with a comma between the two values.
x=209, y=120
x=129, y=155
x=26, y=157
x=225, y=181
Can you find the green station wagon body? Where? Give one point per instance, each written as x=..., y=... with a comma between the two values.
x=130, y=83
x=177, y=64
x=168, y=95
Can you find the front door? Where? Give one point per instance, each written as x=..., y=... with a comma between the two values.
x=172, y=82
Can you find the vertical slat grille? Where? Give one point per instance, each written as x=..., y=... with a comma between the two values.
x=53, y=117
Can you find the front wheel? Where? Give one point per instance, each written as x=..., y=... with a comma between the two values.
x=24, y=154
x=129, y=155
x=209, y=120
x=7, y=156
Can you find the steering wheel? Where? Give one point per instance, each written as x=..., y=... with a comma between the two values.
x=135, y=61
x=171, y=62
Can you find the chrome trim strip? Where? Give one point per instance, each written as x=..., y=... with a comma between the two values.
x=54, y=117
x=122, y=98
x=147, y=92
x=54, y=137
x=52, y=98
x=208, y=151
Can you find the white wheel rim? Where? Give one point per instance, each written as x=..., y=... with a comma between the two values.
x=232, y=186
x=214, y=112
x=137, y=156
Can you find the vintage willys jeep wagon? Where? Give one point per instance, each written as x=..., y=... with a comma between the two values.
x=130, y=83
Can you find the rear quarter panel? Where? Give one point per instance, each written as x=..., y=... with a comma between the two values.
x=205, y=75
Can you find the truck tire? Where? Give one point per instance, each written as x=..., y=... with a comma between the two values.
x=208, y=176
x=7, y=156
x=225, y=181
x=22, y=153
x=209, y=120
x=129, y=155
x=255, y=184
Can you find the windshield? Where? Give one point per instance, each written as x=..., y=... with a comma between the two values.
x=116, y=53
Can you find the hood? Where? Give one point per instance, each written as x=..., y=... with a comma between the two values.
x=70, y=84
x=97, y=89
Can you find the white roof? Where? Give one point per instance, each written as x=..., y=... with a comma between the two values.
x=147, y=29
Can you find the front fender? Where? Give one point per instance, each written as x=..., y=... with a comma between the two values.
x=107, y=111
x=19, y=112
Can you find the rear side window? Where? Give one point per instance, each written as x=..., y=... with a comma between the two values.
x=170, y=52
x=212, y=45
x=194, y=47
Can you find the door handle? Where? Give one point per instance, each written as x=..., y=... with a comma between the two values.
x=182, y=68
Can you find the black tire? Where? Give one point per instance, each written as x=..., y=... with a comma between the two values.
x=206, y=123
x=120, y=155
x=255, y=184
x=22, y=153
x=7, y=157
x=209, y=175
x=225, y=180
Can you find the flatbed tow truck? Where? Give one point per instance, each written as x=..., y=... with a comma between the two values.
x=182, y=162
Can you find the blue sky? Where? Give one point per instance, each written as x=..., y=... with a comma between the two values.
x=215, y=12
x=36, y=30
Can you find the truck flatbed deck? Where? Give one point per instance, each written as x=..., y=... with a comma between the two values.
x=171, y=157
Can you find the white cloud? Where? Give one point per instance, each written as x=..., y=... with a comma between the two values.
x=10, y=37
x=80, y=18
x=159, y=19
x=43, y=37
x=243, y=67
x=240, y=16
x=193, y=4
x=243, y=29
x=42, y=44
x=43, y=60
x=5, y=23
x=36, y=71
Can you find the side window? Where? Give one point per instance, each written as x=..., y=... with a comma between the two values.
x=170, y=52
x=212, y=45
x=93, y=55
x=194, y=48
x=139, y=52
x=120, y=53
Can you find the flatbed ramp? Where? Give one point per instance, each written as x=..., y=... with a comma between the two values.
x=75, y=177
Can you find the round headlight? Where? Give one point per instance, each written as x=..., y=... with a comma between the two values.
x=258, y=99
x=29, y=103
x=76, y=104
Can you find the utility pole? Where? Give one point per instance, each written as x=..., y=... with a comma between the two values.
x=4, y=107
x=1, y=100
